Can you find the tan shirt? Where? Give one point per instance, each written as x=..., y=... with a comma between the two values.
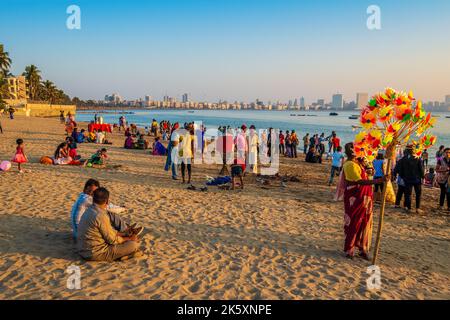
x=95, y=233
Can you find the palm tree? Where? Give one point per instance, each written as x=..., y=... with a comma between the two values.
x=49, y=91
x=4, y=90
x=33, y=76
x=5, y=61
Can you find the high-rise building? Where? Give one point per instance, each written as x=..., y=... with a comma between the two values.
x=302, y=103
x=185, y=98
x=447, y=100
x=361, y=100
x=337, y=102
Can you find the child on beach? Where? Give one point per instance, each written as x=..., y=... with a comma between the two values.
x=97, y=160
x=20, y=156
x=237, y=170
x=336, y=164
x=429, y=178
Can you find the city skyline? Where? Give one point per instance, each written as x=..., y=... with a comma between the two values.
x=234, y=51
x=336, y=103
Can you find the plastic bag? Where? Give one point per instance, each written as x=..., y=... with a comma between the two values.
x=390, y=193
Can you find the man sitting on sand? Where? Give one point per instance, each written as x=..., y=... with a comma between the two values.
x=84, y=201
x=98, y=240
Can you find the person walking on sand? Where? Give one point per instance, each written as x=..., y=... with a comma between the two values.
x=97, y=239
x=20, y=156
x=442, y=177
x=358, y=204
x=11, y=112
x=172, y=151
x=336, y=164
x=187, y=153
x=61, y=116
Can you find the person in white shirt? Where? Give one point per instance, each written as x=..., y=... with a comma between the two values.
x=99, y=137
x=84, y=201
x=253, y=150
x=187, y=152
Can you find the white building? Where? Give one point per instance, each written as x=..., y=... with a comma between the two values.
x=362, y=100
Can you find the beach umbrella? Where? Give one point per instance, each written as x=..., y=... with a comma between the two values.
x=391, y=120
x=5, y=165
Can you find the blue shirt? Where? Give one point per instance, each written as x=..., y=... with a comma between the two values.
x=337, y=159
x=378, y=166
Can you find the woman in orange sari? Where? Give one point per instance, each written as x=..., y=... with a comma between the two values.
x=358, y=202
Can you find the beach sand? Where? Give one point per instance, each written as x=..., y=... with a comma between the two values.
x=265, y=242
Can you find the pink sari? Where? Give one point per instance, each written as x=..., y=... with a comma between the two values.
x=358, y=202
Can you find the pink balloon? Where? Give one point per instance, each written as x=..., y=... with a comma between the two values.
x=5, y=165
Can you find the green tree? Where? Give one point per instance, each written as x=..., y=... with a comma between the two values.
x=33, y=76
x=49, y=92
x=5, y=61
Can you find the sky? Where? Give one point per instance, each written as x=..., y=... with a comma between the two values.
x=232, y=49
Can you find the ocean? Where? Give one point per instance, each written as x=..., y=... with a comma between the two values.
x=302, y=122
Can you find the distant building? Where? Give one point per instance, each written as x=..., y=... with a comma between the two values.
x=321, y=103
x=447, y=100
x=361, y=100
x=17, y=87
x=113, y=99
x=302, y=103
x=185, y=98
x=337, y=101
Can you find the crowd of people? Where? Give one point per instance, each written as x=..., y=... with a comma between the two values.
x=102, y=234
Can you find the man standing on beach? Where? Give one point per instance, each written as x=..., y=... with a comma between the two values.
x=241, y=145
x=411, y=170
x=305, y=143
x=97, y=239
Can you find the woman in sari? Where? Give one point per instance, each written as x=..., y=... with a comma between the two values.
x=358, y=202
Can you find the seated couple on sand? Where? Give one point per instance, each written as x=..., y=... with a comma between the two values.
x=101, y=234
x=66, y=153
x=141, y=143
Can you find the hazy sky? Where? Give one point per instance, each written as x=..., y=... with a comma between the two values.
x=234, y=50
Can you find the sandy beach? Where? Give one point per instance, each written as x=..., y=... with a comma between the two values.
x=265, y=242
